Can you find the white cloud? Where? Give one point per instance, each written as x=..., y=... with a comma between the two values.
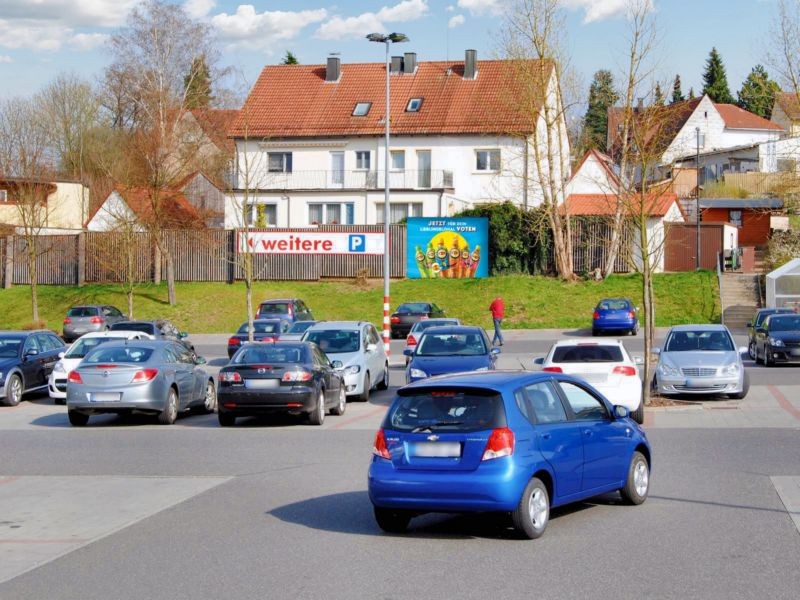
x=339, y=28
x=32, y=35
x=455, y=21
x=450, y=8
x=248, y=29
x=599, y=10
x=88, y=41
x=481, y=7
x=5, y=58
x=197, y=9
x=84, y=13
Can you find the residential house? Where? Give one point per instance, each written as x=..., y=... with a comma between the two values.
x=133, y=209
x=206, y=198
x=61, y=205
x=786, y=113
x=753, y=216
x=205, y=146
x=310, y=141
x=595, y=174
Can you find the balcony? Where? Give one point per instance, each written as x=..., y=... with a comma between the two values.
x=431, y=179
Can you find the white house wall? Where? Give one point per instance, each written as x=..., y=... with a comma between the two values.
x=113, y=212
x=779, y=155
x=591, y=178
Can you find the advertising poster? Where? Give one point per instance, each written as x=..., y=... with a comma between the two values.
x=447, y=248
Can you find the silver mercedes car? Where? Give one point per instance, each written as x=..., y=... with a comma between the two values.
x=700, y=359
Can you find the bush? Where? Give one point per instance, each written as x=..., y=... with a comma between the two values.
x=782, y=247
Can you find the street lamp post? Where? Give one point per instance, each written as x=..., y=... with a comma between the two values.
x=697, y=200
x=386, y=39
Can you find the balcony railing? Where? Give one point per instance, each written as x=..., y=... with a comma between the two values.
x=356, y=180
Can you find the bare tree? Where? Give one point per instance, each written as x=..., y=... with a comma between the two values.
x=783, y=54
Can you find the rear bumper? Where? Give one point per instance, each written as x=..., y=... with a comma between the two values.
x=144, y=398
x=616, y=325
x=248, y=402
x=73, y=333
x=629, y=396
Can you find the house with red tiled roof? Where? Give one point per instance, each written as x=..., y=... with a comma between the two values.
x=205, y=145
x=311, y=148
x=595, y=174
x=786, y=113
x=134, y=208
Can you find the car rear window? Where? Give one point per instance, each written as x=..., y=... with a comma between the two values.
x=451, y=344
x=614, y=305
x=143, y=327
x=250, y=355
x=82, y=311
x=423, y=325
x=118, y=354
x=689, y=341
x=84, y=345
x=261, y=328
x=300, y=326
x=414, y=308
x=447, y=410
x=274, y=308
x=580, y=354
x=763, y=314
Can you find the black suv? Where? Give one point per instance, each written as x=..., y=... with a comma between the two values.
x=408, y=313
x=160, y=330
x=26, y=360
x=752, y=326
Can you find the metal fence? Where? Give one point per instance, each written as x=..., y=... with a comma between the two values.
x=591, y=239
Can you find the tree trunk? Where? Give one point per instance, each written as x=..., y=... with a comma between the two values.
x=130, y=303
x=170, y=279
x=31, y=244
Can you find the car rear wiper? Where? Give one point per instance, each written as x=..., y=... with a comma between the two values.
x=430, y=427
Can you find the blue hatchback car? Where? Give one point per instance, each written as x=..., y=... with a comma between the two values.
x=505, y=441
x=615, y=315
x=450, y=349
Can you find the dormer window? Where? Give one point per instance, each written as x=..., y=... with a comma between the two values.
x=361, y=109
x=414, y=105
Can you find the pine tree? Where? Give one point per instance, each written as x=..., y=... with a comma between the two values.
x=758, y=92
x=658, y=95
x=290, y=59
x=677, y=94
x=715, y=81
x=197, y=84
x=690, y=96
x=602, y=96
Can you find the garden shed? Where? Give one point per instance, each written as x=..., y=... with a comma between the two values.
x=783, y=286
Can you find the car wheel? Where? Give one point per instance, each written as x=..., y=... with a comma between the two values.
x=341, y=405
x=768, y=362
x=77, y=419
x=392, y=521
x=654, y=386
x=170, y=412
x=364, y=397
x=13, y=391
x=635, y=329
x=745, y=388
x=595, y=333
x=533, y=511
x=637, y=485
x=751, y=350
x=226, y=419
x=317, y=416
x=210, y=398
x=384, y=384
x=638, y=414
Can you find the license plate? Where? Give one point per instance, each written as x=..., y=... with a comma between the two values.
x=261, y=384
x=106, y=397
x=795, y=352
x=436, y=449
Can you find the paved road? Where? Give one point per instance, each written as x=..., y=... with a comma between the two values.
x=275, y=509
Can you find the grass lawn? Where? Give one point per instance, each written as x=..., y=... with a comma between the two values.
x=531, y=302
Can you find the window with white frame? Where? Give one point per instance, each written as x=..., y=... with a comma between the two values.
x=361, y=109
x=262, y=215
x=398, y=160
x=399, y=211
x=414, y=104
x=3, y=195
x=487, y=160
x=362, y=159
x=279, y=162
x=330, y=213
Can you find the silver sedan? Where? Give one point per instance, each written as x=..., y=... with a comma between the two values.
x=701, y=359
x=152, y=377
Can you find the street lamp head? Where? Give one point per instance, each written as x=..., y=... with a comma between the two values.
x=377, y=37
x=397, y=38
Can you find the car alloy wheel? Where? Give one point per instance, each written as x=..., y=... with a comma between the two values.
x=341, y=404
x=317, y=415
x=13, y=390
x=210, y=401
x=751, y=350
x=637, y=484
x=641, y=478
x=532, y=514
x=170, y=412
x=384, y=384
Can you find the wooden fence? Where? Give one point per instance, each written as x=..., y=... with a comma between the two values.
x=590, y=241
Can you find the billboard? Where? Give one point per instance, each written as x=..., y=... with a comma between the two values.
x=447, y=248
x=310, y=242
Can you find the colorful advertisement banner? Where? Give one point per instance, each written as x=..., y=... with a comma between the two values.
x=447, y=248
x=312, y=242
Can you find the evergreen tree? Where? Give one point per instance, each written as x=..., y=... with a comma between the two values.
x=602, y=96
x=197, y=84
x=690, y=96
x=290, y=59
x=715, y=81
x=658, y=95
x=758, y=92
x=677, y=94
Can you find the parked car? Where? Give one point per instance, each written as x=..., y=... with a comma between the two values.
x=505, y=441
x=296, y=330
x=607, y=366
x=615, y=315
x=288, y=310
x=57, y=382
x=778, y=339
x=160, y=329
x=357, y=345
x=700, y=360
x=455, y=349
x=408, y=313
x=417, y=328
x=26, y=360
x=88, y=318
x=264, y=330
x=293, y=377
x=152, y=377
x=761, y=314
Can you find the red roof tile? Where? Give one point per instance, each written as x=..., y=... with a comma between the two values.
x=175, y=211
x=739, y=118
x=296, y=101
x=215, y=124
x=586, y=205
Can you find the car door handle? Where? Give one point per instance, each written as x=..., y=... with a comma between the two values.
x=587, y=432
x=546, y=436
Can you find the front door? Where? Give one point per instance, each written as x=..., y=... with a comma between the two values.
x=423, y=168
x=337, y=169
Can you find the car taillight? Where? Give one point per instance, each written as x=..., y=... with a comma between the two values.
x=596, y=315
x=423, y=317
x=67, y=321
x=632, y=314
x=74, y=377
x=553, y=369
x=411, y=340
x=500, y=443
x=395, y=319
x=379, y=448
x=621, y=370
x=230, y=377
x=268, y=339
x=144, y=375
x=290, y=312
x=296, y=376
x=97, y=320
x=234, y=341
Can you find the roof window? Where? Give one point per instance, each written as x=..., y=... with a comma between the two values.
x=414, y=105
x=361, y=109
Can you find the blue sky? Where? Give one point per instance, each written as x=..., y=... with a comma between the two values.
x=41, y=38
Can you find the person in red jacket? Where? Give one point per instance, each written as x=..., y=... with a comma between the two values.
x=498, y=312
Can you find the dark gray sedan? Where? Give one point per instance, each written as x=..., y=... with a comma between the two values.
x=150, y=377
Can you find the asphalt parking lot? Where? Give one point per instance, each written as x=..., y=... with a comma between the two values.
x=125, y=508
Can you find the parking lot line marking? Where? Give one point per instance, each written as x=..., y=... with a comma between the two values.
x=8, y=480
x=64, y=541
x=371, y=413
x=783, y=402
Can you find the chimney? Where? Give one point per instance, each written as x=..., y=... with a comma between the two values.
x=470, y=64
x=410, y=63
x=397, y=64
x=333, y=69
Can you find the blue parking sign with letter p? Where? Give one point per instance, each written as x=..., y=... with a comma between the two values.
x=358, y=243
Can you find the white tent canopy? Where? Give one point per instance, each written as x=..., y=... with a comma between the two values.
x=783, y=286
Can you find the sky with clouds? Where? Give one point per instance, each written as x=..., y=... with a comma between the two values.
x=41, y=38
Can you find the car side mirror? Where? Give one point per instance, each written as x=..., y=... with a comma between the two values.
x=199, y=360
x=31, y=352
x=743, y=350
x=761, y=330
x=61, y=354
x=621, y=412
x=748, y=324
x=408, y=351
x=372, y=347
x=183, y=335
x=337, y=364
x=539, y=360
x=655, y=351
x=638, y=360
x=495, y=351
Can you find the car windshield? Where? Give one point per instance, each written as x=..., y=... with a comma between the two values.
x=261, y=327
x=84, y=345
x=279, y=308
x=118, y=354
x=423, y=325
x=334, y=341
x=252, y=354
x=463, y=411
x=9, y=347
x=691, y=341
x=614, y=305
x=587, y=353
x=82, y=311
x=414, y=308
x=765, y=313
x=126, y=326
x=787, y=323
x=451, y=344
x=300, y=326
